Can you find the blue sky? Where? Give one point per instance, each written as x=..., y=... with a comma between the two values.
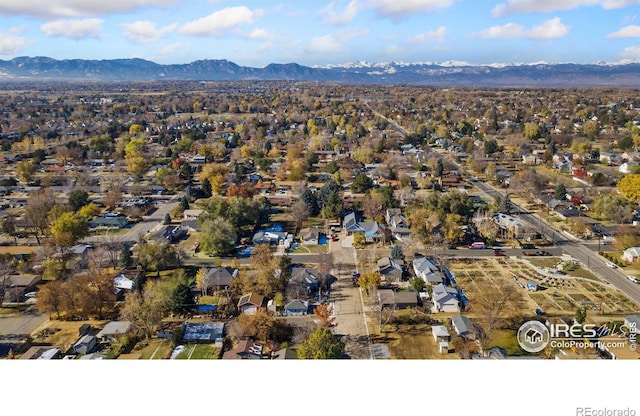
x=323, y=32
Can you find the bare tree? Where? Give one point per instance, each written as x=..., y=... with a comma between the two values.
x=299, y=213
x=495, y=301
x=7, y=267
x=37, y=212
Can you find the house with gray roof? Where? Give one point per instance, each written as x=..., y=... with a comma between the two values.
x=445, y=299
x=426, y=269
x=219, y=278
x=390, y=270
x=296, y=307
x=113, y=330
x=464, y=327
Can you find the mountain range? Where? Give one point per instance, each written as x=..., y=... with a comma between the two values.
x=449, y=74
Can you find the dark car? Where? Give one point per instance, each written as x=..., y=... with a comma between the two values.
x=498, y=253
x=528, y=246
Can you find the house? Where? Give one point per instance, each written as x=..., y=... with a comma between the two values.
x=398, y=224
x=119, y=221
x=250, y=303
x=269, y=237
x=445, y=299
x=440, y=333
x=122, y=282
x=310, y=235
x=85, y=345
x=306, y=278
x=284, y=354
x=192, y=214
x=531, y=286
x=628, y=167
x=296, y=307
x=351, y=224
x=531, y=159
x=389, y=270
x=42, y=353
x=373, y=231
x=112, y=330
x=512, y=225
x=427, y=270
x=631, y=255
x=17, y=286
x=464, y=327
x=389, y=298
x=203, y=331
x=246, y=349
x=442, y=337
x=219, y=278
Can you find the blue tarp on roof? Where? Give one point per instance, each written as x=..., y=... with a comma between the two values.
x=449, y=276
x=274, y=228
x=463, y=298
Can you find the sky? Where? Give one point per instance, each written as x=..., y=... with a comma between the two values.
x=324, y=32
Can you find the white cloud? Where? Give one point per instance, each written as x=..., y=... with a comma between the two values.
x=172, y=47
x=217, y=23
x=631, y=53
x=73, y=29
x=75, y=8
x=626, y=32
x=437, y=35
x=399, y=9
x=547, y=6
x=508, y=31
x=258, y=33
x=549, y=29
x=11, y=44
x=340, y=18
x=143, y=31
x=324, y=45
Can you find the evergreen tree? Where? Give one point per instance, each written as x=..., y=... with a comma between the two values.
x=396, y=252
x=184, y=203
x=206, y=188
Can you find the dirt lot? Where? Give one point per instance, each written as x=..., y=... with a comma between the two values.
x=64, y=333
x=557, y=295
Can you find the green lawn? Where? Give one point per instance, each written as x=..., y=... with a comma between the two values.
x=156, y=349
x=505, y=339
x=199, y=352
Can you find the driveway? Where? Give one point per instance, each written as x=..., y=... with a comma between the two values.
x=347, y=304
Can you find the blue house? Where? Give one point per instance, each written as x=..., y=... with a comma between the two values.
x=296, y=307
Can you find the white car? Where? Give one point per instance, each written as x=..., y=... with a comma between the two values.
x=633, y=279
x=611, y=265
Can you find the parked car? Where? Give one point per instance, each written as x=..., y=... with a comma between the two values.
x=528, y=246
x=478, y=245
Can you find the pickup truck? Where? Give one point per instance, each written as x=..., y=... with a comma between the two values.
x=536, y=253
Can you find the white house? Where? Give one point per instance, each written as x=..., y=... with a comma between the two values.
x=445, y=299
x=192, y=214
x=631, y=254
x=426, y=269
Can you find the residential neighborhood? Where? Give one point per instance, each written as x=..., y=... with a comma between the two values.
x=286, y=220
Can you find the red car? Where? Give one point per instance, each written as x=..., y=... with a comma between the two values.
x=498, y=253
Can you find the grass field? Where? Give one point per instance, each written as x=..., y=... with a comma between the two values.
x=199, y=352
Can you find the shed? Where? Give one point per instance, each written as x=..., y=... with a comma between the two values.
x=85, y=344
